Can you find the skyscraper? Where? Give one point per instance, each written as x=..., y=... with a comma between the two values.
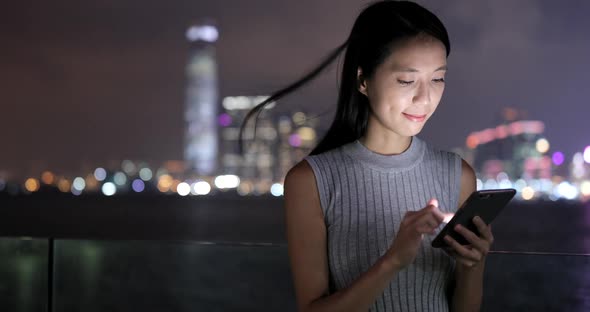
x=201, y=142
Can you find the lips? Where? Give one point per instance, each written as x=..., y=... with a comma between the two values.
x=415, y=118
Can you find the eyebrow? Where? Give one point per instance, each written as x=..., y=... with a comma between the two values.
x=413, y=70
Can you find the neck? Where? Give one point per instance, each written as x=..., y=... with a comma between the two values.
x=386, y=144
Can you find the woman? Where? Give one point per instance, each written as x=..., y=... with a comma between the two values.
x=363, y=208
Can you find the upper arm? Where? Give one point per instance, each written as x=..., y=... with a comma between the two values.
x=306, y=235
x=468, y=182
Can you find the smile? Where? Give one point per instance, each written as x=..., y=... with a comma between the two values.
x=415, y=118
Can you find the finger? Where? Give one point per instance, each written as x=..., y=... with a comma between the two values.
x=469, y=253
x=433, y=210
x=483, y=229
x=448, y=216
x=409, y=217
x=482, y=245
x=465, y=261
x=432, y=213
x=428, y=221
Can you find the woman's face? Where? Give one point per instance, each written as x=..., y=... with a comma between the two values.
x=406, y=88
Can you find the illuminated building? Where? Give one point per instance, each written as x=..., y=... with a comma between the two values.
x=201, y=140
x=516, y=148
x=281, y=141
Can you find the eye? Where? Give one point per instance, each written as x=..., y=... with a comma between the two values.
x=439, y=80
x=405, y=82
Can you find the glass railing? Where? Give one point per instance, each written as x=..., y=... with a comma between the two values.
x=184, y=276
x=177, y=255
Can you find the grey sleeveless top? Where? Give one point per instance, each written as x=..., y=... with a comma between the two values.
x=364, y=196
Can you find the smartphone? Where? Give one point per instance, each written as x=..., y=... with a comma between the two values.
x=486, y=204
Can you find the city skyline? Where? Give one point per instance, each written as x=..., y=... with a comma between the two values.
x=105, y=81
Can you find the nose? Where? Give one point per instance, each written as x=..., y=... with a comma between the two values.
x=422, y=95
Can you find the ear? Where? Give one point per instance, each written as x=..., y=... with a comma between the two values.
x=361, y=82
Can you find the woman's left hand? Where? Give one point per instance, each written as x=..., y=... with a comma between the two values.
x=474, y=253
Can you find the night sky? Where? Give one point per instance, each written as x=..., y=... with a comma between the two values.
x=87, y=83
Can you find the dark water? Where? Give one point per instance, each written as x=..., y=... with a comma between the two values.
x=237, y=261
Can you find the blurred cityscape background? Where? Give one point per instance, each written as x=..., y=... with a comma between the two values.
x=512, y=153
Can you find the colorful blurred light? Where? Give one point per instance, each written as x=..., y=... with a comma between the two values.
x=79, y=184
x=585, y=188
x=32, y=185
x=472, y=141
x=224, y=120
x=227, y=181
x=64, y=185
x=47, y=177
x=138, y=185
x=183, y=189
x=145, y=174
x=295, y=140
x=129, y=167
x=164, y=183
x=109, y=189
x=528, y=193
x=277, y=189
x=542, y=145
x=120, y=178
x=587, y=154
x=558, y=158
x=567, y=190
x=100, y=174
x=201, y=188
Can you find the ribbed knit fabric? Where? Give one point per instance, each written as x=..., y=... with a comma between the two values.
x=364, y=196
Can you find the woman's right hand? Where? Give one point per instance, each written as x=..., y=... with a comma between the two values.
x=414, y=225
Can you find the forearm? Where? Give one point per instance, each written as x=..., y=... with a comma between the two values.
x=362, y=293
x=469, y=288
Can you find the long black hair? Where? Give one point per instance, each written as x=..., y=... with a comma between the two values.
x=377, y=28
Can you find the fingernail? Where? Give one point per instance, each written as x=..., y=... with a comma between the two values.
x=476, y=218
x=458, y=227
x=447, y=238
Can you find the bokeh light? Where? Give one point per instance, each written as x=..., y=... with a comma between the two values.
x=295, y=140
x=109, y=189
x=276, y=189
x=587, y=154
x=100, y=174
x=585, y=188
x=542, y=145
x=528, y=193
x=472, y=141
x=145, y=174
x=164, y=183
x=558, y=158
x=567, y=190
x=227, y=181
x=129, y=167
x=138, y=185
x=48, y=177
x=224, y=120
x=32, y=185
x=79, y=184
x=120, y=178
x=64, y=185
x=201, y=188
x=183, y=189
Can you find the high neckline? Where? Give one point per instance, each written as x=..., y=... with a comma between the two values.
x=407, y=159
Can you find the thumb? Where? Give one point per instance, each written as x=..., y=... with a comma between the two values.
x=433, y=202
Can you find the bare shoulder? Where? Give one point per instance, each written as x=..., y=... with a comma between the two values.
x=468, y=183
x=301, y=172
x=306, y=235
x=301, y=188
